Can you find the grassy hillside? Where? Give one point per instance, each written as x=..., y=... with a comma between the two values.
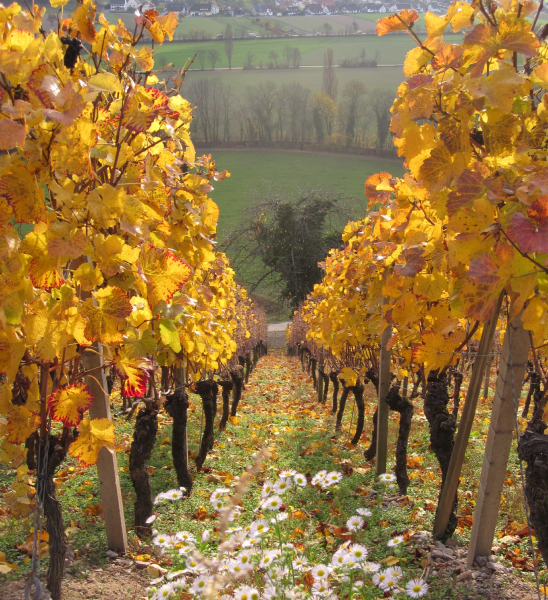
x=258, y=170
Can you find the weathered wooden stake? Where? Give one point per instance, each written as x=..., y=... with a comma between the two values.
x=107, y=464
x=485, y=393
x=382, y=406
x=450, y=487
x=513, y=361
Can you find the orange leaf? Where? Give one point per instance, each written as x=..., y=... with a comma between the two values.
x=397, y=22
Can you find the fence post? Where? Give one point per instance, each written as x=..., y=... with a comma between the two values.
x=382, y=405
x=451, y=484
x=107, y=464
x=515, y=351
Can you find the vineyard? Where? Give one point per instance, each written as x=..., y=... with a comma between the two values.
x=121, y=323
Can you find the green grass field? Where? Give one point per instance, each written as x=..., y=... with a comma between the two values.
x=390, y=49
x=257, y=170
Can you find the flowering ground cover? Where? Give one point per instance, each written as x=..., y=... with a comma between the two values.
x=307, y=518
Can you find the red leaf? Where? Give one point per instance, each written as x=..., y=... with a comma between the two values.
x=526, y=236
x=414, y=262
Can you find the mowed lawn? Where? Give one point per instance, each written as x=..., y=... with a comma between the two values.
x=255, y=171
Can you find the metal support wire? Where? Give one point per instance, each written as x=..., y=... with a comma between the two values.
x=516, y=406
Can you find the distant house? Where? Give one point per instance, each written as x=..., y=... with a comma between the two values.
x=132, y=5
x=179, y=7
x=314, y=9
x=204, y=10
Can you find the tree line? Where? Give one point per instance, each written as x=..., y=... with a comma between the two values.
x=292, y=114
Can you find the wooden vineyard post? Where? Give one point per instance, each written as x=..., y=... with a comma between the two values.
x=513, y=361
x=451, y=484
x=382, y=405
x=107, y=464
x=320, y=375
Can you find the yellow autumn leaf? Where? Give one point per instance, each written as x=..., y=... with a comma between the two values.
x=105, y=314
x=68, y=404
x=93, y=435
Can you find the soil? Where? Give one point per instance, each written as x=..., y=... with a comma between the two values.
x=487, y=579
x=119, y=580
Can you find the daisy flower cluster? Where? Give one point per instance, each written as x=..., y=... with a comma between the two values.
x=261, y=562
x=173, y=495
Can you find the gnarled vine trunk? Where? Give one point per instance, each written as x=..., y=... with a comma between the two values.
x=325, y=387
x=442, y=429
x=456, y=394
x=313, y=372
x=371, y=452
x=405, y=408
x=144, y=436
x=176, y=406
x=342, y=404
x=358, y=390
x=57, y=451
x=237, y=380
x=227, y=387
x=335, y=381
x=207, y=390
x=533, y=448
x=247, y=367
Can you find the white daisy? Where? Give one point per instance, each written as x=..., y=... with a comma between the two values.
x=279, y=517
x=185, y=536
x=161, y=540
x=282, y=485
x=218, y=493
x=389, y=583
x=272, y=503
x=355, y=523
x=416, y=588
x=321, y=572
x=364, y=512
x=379, y=578
x=186, y=549
x=394, y=572
x=268, y=488
x=244, y=557
x=333, y=477
x=337, y=560
x=258, y=527
x=200, y=584
x=165, y=591
x=371, y=567
x=160, y=498
x=246, y=593
x=237, y=568
x=173, y=495
x=287, y=473
x=320, y=588
x=300, y=480
x=300, y=563
x=395, y=541
x=358, y=552
x=218, y=505
x=387, y=477
x=319, y=478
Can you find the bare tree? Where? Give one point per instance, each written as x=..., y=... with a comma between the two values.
x=227, y=102
x=262, y=104
x=229, y=45
x=330, y=81
x=381, y=103
x=250, y=57
x=353, y=91
x=214, y=56
x=201, y=56
x=328, y=28
x=288, y=51
x=296, y=57
x=273, y=56
x=198, y=93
